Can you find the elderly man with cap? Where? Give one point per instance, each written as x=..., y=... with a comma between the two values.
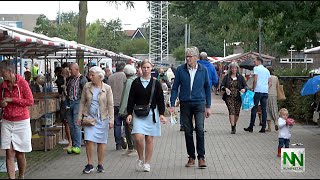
x=116, y=81
x=130, y=72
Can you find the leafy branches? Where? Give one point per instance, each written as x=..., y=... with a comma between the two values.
x=285, y=23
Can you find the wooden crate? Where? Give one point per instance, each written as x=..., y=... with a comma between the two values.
x=57, y=131
x=38, y=143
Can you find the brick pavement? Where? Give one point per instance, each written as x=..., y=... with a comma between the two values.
x=243, y=155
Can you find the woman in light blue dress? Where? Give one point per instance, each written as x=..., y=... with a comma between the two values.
x=99, y=132
x=97, y=103
x=145, y=128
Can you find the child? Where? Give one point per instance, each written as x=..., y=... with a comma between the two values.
x=284, y=124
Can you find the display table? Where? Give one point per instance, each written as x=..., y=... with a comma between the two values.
x=38, y=108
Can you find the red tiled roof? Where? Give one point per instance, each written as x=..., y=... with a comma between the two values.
x=129, y=33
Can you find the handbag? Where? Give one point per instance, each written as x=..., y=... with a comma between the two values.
x=280, y=92
x=85, y=121
x=143, y=110
x=315, y=116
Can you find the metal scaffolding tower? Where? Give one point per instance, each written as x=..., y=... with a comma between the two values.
x=158, y=41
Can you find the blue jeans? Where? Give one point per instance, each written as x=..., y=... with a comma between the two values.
x=188, y=110
x=72, y=117
x=262, y=98
x=283, y=142
x=118, y=121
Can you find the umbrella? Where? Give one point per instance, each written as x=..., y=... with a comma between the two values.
x=312, y=86
x=249, y=64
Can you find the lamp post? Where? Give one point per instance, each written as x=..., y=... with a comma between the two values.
x=186, y=33
x=59, y=15
x=260, y=36
x=113, y=29
x=305, y=57
x=185, y=41
x=291, y=47
x=224, y=48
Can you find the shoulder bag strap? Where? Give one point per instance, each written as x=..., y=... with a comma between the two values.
x=152, y=91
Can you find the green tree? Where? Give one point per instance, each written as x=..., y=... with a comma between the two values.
x=69, y=17
x=284, y=23
x=103, y=34
x=179, y=53
x=43, y=25
x=93, y=31
x=83, y=11
x=135, y=46
x=176, y=32
x=66, y=30
x=206, y=25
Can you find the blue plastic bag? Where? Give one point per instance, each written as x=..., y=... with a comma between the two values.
x=247, y=100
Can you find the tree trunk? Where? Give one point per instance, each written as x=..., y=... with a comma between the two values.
x=83, y=11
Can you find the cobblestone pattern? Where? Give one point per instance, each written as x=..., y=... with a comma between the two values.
x=242, y=155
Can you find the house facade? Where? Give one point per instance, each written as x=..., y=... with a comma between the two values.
x=25, y=21
x=135, y=34
x=298, y=60
x=294, y=59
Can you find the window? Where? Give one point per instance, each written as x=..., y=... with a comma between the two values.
x=296, y=60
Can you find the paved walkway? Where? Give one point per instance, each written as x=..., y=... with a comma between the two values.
x=243, y=155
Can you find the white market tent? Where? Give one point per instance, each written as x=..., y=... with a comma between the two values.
x=17, y=43
x=13, y=43
x=312, y=50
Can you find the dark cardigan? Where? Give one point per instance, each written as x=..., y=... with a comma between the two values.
x=140, y=96
x=242, y=84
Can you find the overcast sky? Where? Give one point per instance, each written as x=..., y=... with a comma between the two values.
x=131, y=18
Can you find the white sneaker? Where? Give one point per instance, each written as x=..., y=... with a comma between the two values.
x=139, y=165
x=132, y=152
x=146, y=167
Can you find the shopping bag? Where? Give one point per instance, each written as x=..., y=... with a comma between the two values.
x=247, y=100
x=173, y=120
x=315, y=116
x=280, y=93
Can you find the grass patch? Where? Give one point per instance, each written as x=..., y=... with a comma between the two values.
x=36, y=158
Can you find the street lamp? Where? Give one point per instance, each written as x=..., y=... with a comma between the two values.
x=224, y=48
x=186, y=34
x=260, y=36
x=291, y=47
x=113, y=29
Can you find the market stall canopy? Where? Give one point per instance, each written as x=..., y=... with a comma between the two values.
x=23, y=43
x=249, y=64
x=214, y=59
x=110, y=53
x=246, y=56
x=224, y=59
x=31, y=44
x=77, y=46
x=70, y=54
x=245, y=60
x=314, y=50
x=26, y=44
x=129, y=58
